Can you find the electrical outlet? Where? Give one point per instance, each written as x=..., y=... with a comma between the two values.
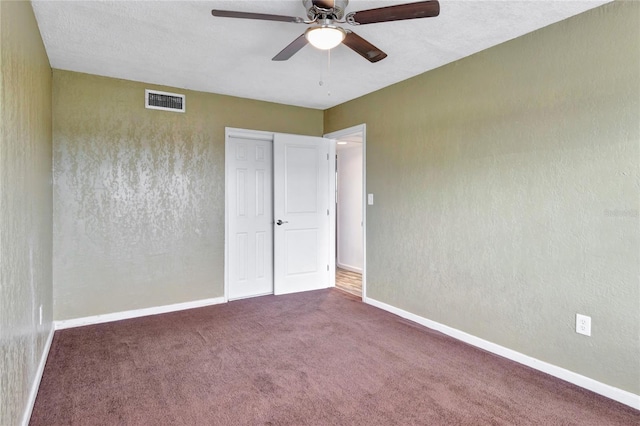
x=40, y=314
x=583, y=324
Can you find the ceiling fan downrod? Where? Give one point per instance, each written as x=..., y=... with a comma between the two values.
x=326, y=9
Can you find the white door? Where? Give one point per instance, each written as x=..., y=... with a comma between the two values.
x=249, y=217
x=301, y=213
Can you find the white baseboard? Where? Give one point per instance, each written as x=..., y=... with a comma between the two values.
x=136, y=313
x=349, y=268
x=36, y=380
x=603, y=389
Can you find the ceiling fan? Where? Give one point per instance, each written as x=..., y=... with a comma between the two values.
x=323, y=15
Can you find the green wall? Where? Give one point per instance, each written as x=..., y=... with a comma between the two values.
x=507, y=193
x=25, y=206
x=139, y=194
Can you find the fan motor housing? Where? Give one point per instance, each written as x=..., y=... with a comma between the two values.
x=337, y=11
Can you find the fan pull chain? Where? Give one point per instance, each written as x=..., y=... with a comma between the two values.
x=321, y=82
x=328, y=71
x=325, y=78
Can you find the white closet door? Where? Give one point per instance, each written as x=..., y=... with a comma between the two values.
x=250, y=217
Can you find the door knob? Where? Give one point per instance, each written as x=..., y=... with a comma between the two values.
x=280, y=222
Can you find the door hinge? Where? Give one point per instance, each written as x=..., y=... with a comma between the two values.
x=327, y=267
x=327, y=212
x=327, y=157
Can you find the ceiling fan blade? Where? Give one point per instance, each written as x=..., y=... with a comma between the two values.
x=260, y=16
x=421, y=9
x=291, y=49
x=363, y=48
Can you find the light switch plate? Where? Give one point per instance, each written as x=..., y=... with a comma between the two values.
x=370, y=199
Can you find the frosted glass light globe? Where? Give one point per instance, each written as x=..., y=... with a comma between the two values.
x=325, y=37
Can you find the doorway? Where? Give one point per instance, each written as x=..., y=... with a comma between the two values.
x=350, y=210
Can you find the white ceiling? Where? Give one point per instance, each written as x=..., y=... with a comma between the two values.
x=179, y=43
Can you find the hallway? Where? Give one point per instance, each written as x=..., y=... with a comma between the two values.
x=348, y=281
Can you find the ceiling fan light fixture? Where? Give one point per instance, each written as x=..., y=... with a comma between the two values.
x=325, y=37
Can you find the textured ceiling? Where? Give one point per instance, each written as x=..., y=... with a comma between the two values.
x=179, y=43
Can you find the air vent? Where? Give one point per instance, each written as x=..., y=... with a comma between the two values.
x=165, y=101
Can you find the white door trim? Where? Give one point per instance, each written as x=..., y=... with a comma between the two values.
x=360, y=128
